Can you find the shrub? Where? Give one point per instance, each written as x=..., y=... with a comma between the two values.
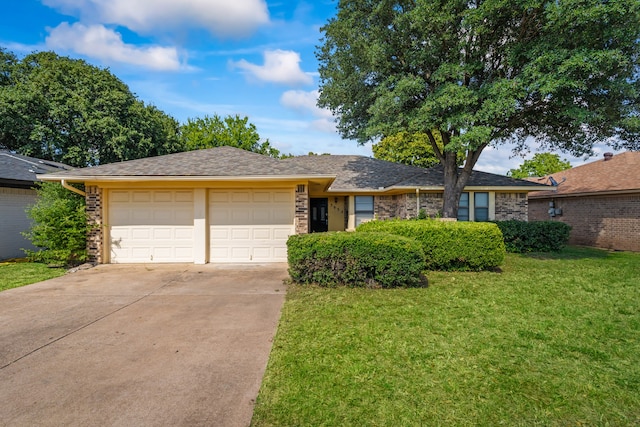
x=463, y=246
x=539, y=236
x=59, y=226
x=376, y=260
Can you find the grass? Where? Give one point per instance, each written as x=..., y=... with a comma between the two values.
x=17, y=273
x=552, y=340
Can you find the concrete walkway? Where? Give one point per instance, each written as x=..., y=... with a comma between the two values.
x=138, y=345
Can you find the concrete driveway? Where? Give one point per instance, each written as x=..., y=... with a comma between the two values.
x=138, y=345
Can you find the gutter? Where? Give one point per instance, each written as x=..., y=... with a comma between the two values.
x=72, y=188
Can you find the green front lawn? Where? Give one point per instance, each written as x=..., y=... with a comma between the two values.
x=553, y=340
x=15, y=274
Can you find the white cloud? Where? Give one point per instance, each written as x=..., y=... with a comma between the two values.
x=222, y=18
x=306, y=102
x=280, y=66
x=97, y=41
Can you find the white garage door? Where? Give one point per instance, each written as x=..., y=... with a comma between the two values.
x=250, y=225
x=151, y=225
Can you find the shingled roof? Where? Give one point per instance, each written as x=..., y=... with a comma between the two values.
x=208, y=163
x=619, y=174
x=349, y=173
x=20, y=171
x=357, y=173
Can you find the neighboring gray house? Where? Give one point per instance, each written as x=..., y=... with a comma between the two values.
x=229, y=205
x=17, y=177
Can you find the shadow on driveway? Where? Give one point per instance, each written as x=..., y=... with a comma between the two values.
x=162, y=344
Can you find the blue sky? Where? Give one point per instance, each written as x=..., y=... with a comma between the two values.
x=192, y=58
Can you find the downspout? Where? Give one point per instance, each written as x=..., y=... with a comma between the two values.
x=417, y=202
x=72, y=188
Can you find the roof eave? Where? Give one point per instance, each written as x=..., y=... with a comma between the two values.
x=547, y=195
x=159, y=178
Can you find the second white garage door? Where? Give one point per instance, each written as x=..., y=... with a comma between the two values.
x=250, y=225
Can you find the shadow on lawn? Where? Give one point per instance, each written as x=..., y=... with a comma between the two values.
x=571, y=252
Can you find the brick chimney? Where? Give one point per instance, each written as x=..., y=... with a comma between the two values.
x=608, y=156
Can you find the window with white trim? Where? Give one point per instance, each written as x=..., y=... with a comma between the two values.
x=476, y=203
x=363, y=209
x=463, y=207
x=481, y=206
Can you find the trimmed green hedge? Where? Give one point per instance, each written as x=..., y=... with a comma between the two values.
x=375, y=260
x=538, y=236
x=462, y=246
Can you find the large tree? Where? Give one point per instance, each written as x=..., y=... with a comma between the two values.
x=234, y=131
x=562, y=73
x=540, y=165
x=67, y=110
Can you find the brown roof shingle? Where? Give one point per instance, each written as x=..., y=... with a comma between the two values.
x=619, y=174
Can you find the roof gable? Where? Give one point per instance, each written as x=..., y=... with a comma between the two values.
x=619, y=174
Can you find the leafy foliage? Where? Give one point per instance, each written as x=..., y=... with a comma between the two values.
x=463, y=246
x=410, y=149
x=62, y=109
x=233, y=131
x=565, y=73
x=60, y=226
x=538, y=236
x=542, y=164
x=355, y=260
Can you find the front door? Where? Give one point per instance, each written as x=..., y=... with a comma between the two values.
x=319, y=215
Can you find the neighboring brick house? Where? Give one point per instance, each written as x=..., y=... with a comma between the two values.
x=229, y=205
x=599, y=200
x=17, y=178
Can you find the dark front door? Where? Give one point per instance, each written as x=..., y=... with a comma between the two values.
x=319, y=215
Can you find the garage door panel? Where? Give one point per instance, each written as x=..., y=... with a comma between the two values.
x=259, y=223
x=283, y=196
x=262, y=234
x=281, y=233
x=240, y=234
x=151, y=226
x=141, y=196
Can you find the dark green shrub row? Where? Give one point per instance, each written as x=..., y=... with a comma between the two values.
x=539, y=236
x=375, y=260
x=464, y=246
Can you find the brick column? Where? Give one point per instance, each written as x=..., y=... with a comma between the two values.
x=302, y=209
x=95, y=234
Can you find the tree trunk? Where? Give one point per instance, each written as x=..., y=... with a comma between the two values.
x=454, y=182
x=455, y=179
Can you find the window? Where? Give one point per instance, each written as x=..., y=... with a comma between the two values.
x=363, y=209
x=481, y=207
x=463, y=207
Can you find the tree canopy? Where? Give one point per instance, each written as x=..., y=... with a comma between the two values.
x=540, y=165
x=564, y=74
x=209, y=132
x=67, y=110
x=408, y=148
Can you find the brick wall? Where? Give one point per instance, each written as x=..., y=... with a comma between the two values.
x=302, y=209
x=512, y=206
x=508, y=206
x=610, y=222
x=95, y=235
